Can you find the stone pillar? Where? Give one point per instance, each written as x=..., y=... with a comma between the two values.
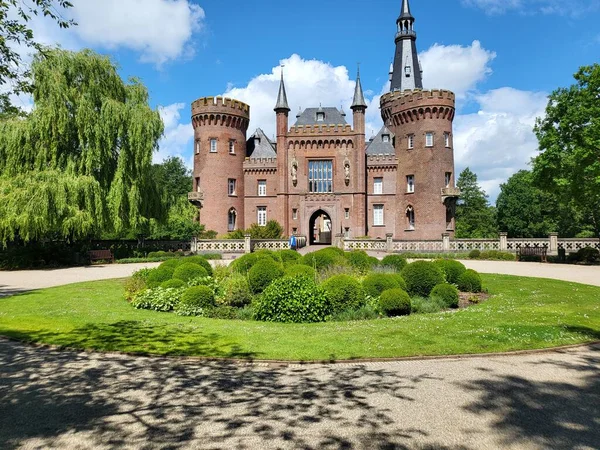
x=389, y=242
x=503, y=242
x=446, y=242
x=247, y=243
x=553, y=249
x=194, y=245
x=339, y=241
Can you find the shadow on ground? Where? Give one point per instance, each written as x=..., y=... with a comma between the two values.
x=5, y=290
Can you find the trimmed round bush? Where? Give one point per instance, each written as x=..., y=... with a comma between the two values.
x=189, y=271
x=159, y=275
x=325, y=258
x=198, y=297
x=264, y=253
x=421, y=277
x=360, y=260
x=587, y=255
x=288, y=255
x=244, y=263
x=394, y=302
x=470, y=281
x=292, y=300
x=344, y=293
x=201, y=261
x=447, y=293
x=172, y=284
x=375, y=283
x=398, y=262
x=452, y=269
x=236, y=291
x=300, y=270
x=262, y=273
x=172, y=263
x=474, y=254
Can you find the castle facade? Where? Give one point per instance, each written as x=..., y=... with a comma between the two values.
x=320, y=177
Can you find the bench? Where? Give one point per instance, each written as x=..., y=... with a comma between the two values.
x=542, y=252
x=101, y=255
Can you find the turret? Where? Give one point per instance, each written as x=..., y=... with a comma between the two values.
x=359, y=108
x=282, y=111
x=406, y=71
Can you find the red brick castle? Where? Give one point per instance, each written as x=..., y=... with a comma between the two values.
x=321, y=177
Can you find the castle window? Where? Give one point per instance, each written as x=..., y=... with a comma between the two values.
x=447, y=140
x=198, y=184
x=295, y=214
x=197, y=147
x=377, y=215
x=378, y=186
x=262, y=188
x=448, y=178
x=231, y=219
x=347, y=233
x=411, y=141
x=429, y=139
x=385, y=138
x=320, y=176
x=261, y=216
x=231, y=186
x=213, y=146
x=347, y=213
x=410, y=218
x=320, y=117
x=410, y=184
x=231, y=147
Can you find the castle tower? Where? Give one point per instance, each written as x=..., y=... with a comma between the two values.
x=282, y=111
x=359, y=108
x=422, y=123
x=220, y=126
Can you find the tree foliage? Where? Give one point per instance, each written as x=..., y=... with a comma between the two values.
x=81, y=162
x=272, y=230
x=569, y=142
x=475, y=218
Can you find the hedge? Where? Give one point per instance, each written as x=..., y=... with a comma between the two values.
x=421, y=277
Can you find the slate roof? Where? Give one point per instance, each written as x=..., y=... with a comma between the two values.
x=333, y=116
x=282, y=101
x=378, y=147
x=359, y=97
x=260, y=146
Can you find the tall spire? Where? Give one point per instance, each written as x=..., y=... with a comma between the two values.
x=282, y=102
x=359, y=97
x=406, y=73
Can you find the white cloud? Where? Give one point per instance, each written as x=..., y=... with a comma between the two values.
x=570, y=8
x=178, y=137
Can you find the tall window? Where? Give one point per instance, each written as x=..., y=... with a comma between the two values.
x=295, y=214
x=377, y=215
x=378, y=186
x=410, y=217
x=231, y=147
x=320, y=176
x=262, y=188
x=429, y=139
x=231, y=189
x=213, y=146
x=261, y=215
x=447, y=140
x=448, y=178
x=197, y=147
x=198, y=184
x=411, y=141
x=347, y=213
x=231, y=218
x=410, y=184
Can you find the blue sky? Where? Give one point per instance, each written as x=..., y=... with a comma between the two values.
x=501, y=57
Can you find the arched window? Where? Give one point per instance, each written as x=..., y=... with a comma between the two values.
x=231, y=219
x=410, y=218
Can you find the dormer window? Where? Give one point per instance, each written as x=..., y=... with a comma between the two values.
x=407, y=71
x=386, y=138
x=320, y=117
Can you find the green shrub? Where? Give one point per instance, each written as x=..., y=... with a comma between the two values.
x=495, y=255
x=201, y=261
x=394, y=302
x=421, y=277
x=360, y=260
x=447, y=293
x=157, y=299
x=422, y=305
x=136, y=283
x=288, y=255
x=375, y=283
x=470, y=281
x=171, y=263
x=236, y=291
x=222, y=312
x=292, y=300
x=452, y=269
x=211, y=256
x=159, y=275
x=398, y=262
x=195, y=301
x=586, y=255
x=162, y=254
x=344, y=293
x=244, y=263
x=300, y=270
x=221, y=272
x=324, y=258
x=173, y=284
x=474, y=254
x=189, y=271
x=262, y=273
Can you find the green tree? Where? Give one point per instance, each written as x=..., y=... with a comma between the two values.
x=523, y=210
x=14, y=18
x=569, y=141
x=475, y=218
x=173, y=177
x=81, y=162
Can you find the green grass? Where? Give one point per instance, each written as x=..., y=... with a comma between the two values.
x=523, y=313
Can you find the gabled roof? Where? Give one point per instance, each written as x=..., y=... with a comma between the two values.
x=260, y=146
x=378, y=147
x=333, y=116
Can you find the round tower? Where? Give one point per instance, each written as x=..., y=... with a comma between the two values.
x=220, y=126
x=422, y=124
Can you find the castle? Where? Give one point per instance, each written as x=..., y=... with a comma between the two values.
x=321, y=177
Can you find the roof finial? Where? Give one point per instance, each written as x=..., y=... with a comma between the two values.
x=359, y=96
x=282, y=102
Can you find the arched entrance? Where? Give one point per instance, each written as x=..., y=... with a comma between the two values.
x=320, y=228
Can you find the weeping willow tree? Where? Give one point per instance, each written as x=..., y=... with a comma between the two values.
x=80, y=163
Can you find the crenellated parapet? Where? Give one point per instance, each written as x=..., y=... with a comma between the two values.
x=220, y=111
x=260, y=165
x=399, y=108
x=382, y=161
x=320, y=130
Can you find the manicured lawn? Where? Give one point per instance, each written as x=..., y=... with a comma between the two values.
x=523, y=313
